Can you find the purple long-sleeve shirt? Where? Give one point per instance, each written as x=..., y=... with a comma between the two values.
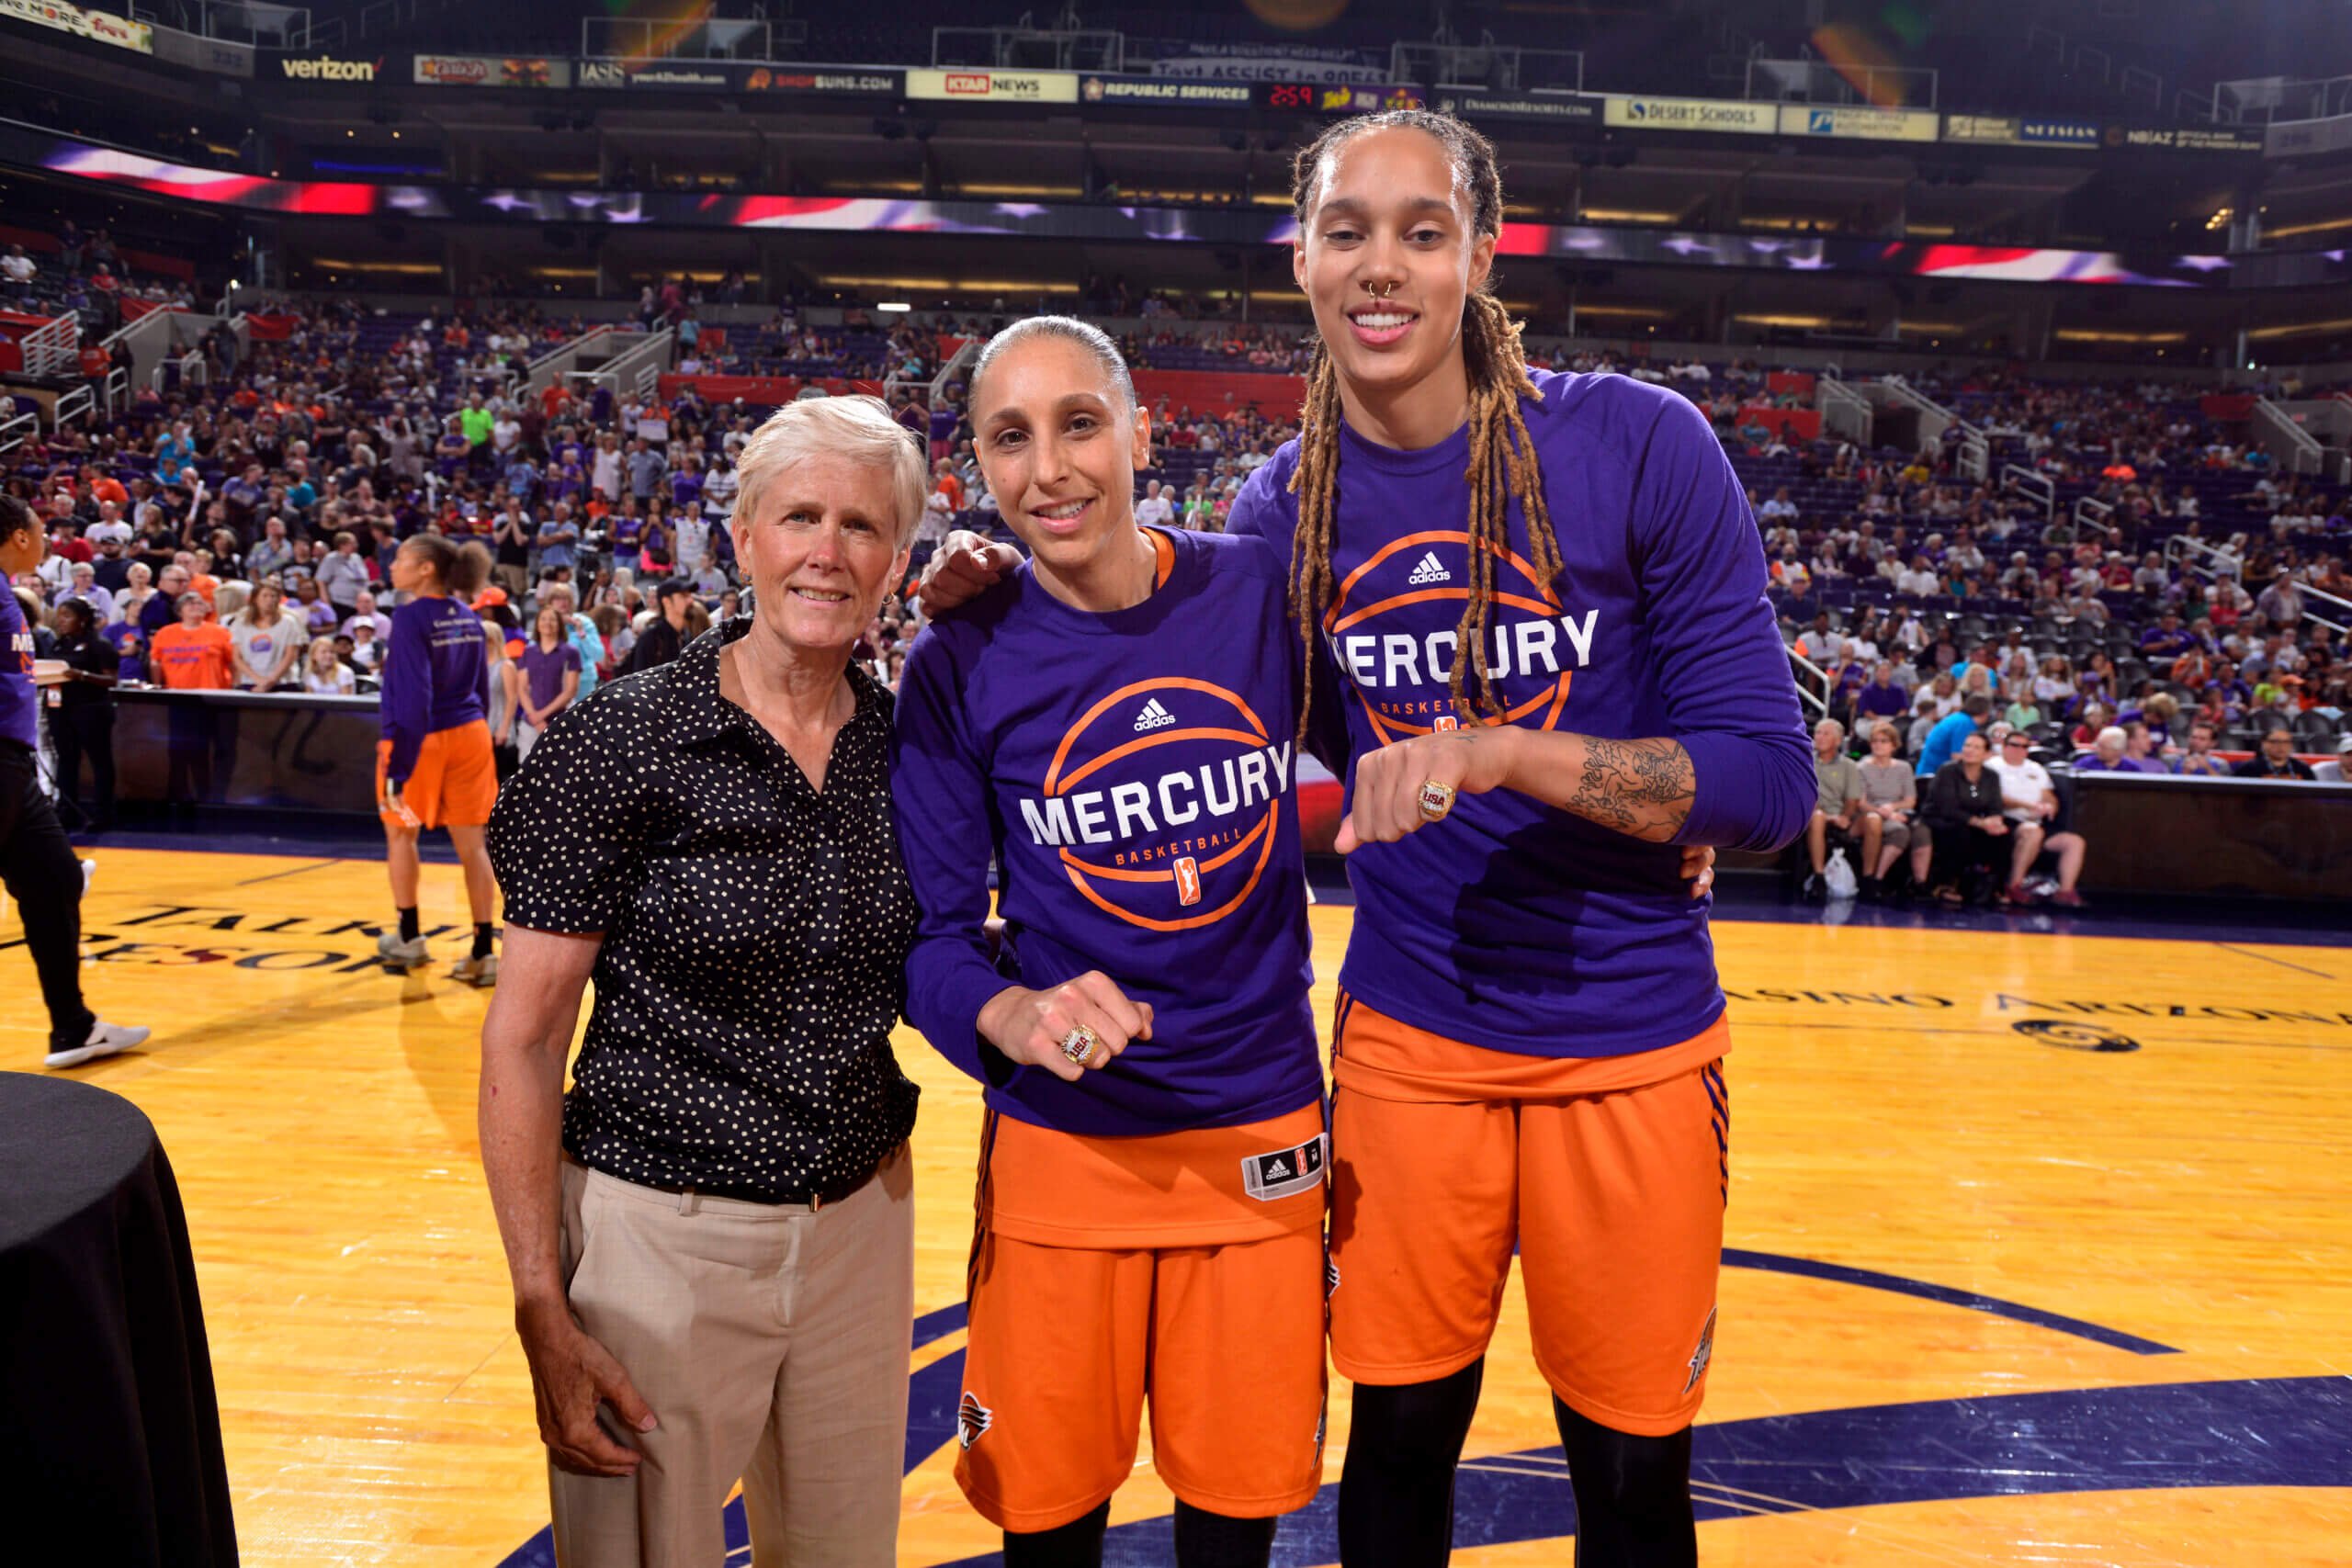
x=436, y=677
x=1133, y=774
x=19, y=718
x=1514, y=925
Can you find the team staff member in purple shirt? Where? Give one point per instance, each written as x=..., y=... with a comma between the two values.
x=543, y=681
x=36, y=865
x=433, y=765
x=1116, y=729
x=1541, y=601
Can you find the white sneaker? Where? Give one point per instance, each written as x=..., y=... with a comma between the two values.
x=105, y=1040
x=89, y=870
x=479, y=972
x=402, y=955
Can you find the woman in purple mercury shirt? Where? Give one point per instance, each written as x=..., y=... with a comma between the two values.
x=1116, y=730
x=1529, y=1041
x=1528, y=1051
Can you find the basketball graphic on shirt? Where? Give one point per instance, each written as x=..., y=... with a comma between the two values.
x=1391, y=629
x=1164, y=801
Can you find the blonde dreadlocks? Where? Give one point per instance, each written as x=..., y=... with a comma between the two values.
x=1502, y=457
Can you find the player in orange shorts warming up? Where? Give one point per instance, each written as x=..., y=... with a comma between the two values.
x=1539, y=600
x=434, y=767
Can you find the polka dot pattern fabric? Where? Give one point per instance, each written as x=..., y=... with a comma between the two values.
x=756, y=933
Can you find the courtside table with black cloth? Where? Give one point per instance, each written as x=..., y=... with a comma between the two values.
x=110, y=1434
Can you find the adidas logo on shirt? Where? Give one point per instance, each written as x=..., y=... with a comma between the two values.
x=1153, y=716
x=1430, y=570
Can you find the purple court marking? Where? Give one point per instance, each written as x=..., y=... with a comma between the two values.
x=1871, y=1278
x=2273, y=1432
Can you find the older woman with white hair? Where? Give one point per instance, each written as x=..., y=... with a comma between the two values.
x=2107, y=754
x=711, y=1236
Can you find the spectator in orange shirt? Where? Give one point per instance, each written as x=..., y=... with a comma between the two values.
x=944, y=479
x=104, y=486
x=195, y=654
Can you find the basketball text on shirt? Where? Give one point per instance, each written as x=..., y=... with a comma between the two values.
x=1179, y=782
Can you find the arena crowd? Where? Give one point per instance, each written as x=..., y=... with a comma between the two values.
x=236, y=530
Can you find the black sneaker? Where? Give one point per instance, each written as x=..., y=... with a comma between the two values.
x=1816, y=891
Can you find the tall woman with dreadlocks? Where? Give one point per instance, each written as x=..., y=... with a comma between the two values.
x=1539, y=600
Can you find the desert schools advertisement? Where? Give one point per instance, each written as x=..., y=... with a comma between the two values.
x=1721, y=115
x=995, y=86
x=98, y=27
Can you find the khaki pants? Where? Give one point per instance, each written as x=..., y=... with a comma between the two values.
x=771, y=1343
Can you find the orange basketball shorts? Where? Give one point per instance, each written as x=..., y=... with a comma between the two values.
x=455, y=782
x=1069, y=1338
x=1608, y=1175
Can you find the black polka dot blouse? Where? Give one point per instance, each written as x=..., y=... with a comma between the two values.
x=756, y=933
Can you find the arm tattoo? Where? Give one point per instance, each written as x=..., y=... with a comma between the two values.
x=1643, y=788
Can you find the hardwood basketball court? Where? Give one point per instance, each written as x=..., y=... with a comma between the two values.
x=2039, y=1244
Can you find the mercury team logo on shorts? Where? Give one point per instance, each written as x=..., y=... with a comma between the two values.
x=1702, y=1355
x=1164, y=801
x=1399, y=660
x=972, y=1418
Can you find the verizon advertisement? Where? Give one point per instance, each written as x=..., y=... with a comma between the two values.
x=327, y=69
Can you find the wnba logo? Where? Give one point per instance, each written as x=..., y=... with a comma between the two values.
x=1165, y=796
x=1533, y=647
